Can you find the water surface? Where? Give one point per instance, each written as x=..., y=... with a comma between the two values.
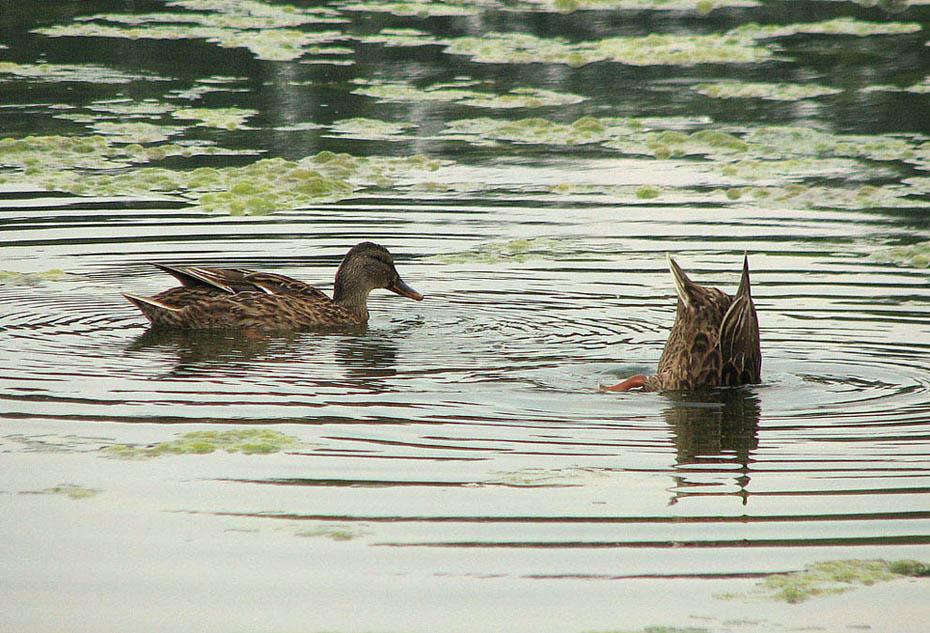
x=454, y=462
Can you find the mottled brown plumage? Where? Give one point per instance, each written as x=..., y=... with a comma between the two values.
x=713, y=343
x=244, y=299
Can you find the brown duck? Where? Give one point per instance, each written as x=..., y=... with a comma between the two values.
x=244, y=299
x=713, y=343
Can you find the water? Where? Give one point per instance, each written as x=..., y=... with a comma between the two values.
x=457, y=466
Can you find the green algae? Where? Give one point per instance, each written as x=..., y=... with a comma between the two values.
x=767, y=166
x=657, y=629
x=752, y=153
x=773, y=142
x=653, y=49
x=88, y=73
x=832, y=577
x=516, y=250
x=837, y=26
x=917, y=255
x=762, y=90
x=126, y=108
x=222, y=118
x=246, y=441
x=462, y=92
x=14, y=278
x=547, y=477
x=55, y=162
x=370, y=129
x=332, y=532
x=72, y=491
x=265, y=30
x=95, y=166
x=535, y=130
x=135, y=131
x=921, y=87
x=403, y=37
x=421, y=9
x=739, y=45
x=630, y=136
x=700, y=6
x=648, y=193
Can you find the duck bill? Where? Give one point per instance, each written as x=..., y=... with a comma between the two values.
x=404, y=290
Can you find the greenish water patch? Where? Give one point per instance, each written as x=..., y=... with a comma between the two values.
x=13, y=278
x=655, y=49
x=518, y=250
x=422, y=9
x=118, y=120
x=403, y=37
x=837, y=26
x=128, y=109
x=740, y=45
x=332, y=532
x=222, y=118
x=61, y=163
x=547, y=477
x=539, y=130
x=773, y=142
x=72, y=491
x=832, y=577
x=87, y=73
x=657, y=629
x=135, y=131
x=54, y=162
x=917, y=255
x=463, y=92
x=370, y=129
x=700, y=6
x=247, y=441
x=267, y=30
x=761, y=90
x=767, y=165
x=921, y=87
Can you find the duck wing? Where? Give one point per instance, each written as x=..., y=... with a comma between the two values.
x=236, y=280
x=738, y=340
x=274, y=284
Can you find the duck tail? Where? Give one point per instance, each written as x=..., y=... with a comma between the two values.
x=744, y=289
x=153, y=310
x=738, y=338
x=683, y=285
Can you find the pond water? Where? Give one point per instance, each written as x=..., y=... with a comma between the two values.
x=454, y=465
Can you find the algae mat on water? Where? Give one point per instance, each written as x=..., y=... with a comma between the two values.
x=247, y=441
x=831, y=577
x=91, y=166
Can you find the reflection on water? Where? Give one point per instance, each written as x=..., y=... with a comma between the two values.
x=456, y=451
x=717, y=429
x=212, y=354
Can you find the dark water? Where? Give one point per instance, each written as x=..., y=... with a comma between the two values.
x=458, y=467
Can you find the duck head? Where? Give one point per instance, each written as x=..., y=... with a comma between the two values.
x=365, y=267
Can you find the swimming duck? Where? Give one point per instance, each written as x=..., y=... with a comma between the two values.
x=238, y=298
x=713, y=343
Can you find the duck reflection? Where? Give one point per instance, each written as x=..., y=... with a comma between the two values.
x=210, y=353
x=716, y=430
x=367, y=357
x=203, y=352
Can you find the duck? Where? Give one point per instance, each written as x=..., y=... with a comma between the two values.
x=714, y=341
x=236, y=298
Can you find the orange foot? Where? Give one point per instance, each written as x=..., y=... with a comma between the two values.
x=630, y=383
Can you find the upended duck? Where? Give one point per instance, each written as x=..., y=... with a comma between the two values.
x=212, y=298
x=713, y=343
